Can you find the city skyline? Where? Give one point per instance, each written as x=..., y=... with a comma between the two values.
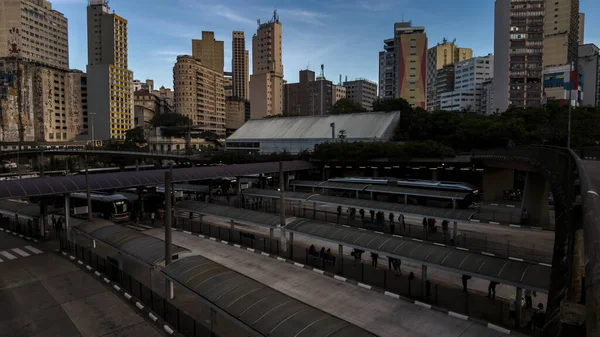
x=313, y=34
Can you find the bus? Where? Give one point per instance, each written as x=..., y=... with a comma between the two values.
x=112, y=207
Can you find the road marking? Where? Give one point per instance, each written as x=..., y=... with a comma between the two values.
x=424, y=305
x=461, y=248
x=36, y=251
x=362, y=285
x=20, y=235
x=497, y=328
x=488, y=254
x=281, y=259
x=152, y=317
x=545, y=264
x=1, y=260
x=8, y=255
x=494, y=204
x=20, y=252
x=127, y=296
x=453, y=314
x=298, y=265
x=237, y=246
x=515, y=226
x=88, y=267
x=263, y=253
x=474, y=220
x=71, y=257
x=318, y=271
x=378, y=232
x=346, y=226
x=250, y=249
x=362, y=229
x=139, y=305
x=28, y=238
x=117, y=288
x=36, y=241
x=593, y=192
x=106, y=280
x=417, y=240
x=1, y=229
x=97, y=273
x=187, y=232
x=396, y=296
x=343, y=279
x=80, y=262
x=168, y=329
x=494, y=223
x=515, y=259
x=64, y=253
x=511, y=206
x=439, y=244
x=224, y=242
x=398, y=236
x=214, y=239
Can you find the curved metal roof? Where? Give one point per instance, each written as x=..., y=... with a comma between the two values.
x=24, y=210
x=414, y=210
x=522, y=274
x=306, y=183
x=259, y=307
x=141, y=246
x=109, y=181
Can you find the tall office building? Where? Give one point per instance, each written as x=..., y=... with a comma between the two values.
x=110, y=96
x=581, y=28
x=439, y=56
x=239, y=66
x=199, y=94
x=34, y=31
x=589, y=64
x=310, y=96
x=561, y=32
x=402, y=65
x=266, y=81
x=469, y=76
x=209, y=51
x=361, y=91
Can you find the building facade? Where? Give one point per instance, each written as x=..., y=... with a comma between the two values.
x=45, y=104
x=561, y=32
x=589, y=65
x=469, y=76
x=442, y=55
x=199, y=94
x=111, y=95
x=34, y=31
x=235, y=113
x=562, y=84
x=139, y=85
x=459, y=101
x=266, y=82
x=402, y=65
x=362, y=91
x=487, y=97
x=444, y=82
x=209, y=51
x=240, y=66
x=228, y=83
x=310, y=96
x=338, y=92
x=167, y=100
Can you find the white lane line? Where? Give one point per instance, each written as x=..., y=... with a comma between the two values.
x=237, y=246
x=545, y=264
x=152, y=317
x=187, y=232
x=80, y=262
x=214, y=239
x=8, y=255
x=117, y=288
x=28, y=238
x=474, y=220
x=343, y=279
x=439, y=244
x=515, y=259
x=366, y=286
x=1, y=260
x=514, y=226
x=398, y=236
x=461, y=248
x=494, y=223
x=20, y=252
x=418, y=240
x=346, y=226
x=387, y=293
x=281, y=259
x=224, y=242
x=488, y=254
x=424, y=305
x=97, y=273
x=127, y=296
x=64, y=253
x=511, y=206
x=250, y=249
x=88, y=267
x=71, y=257
x=106, y=280
x=494, y=204
x=36, y=241
x=263, y=253
x=453, y=314
x=139, y=305
x=378, y=232
x=34, y=250
x=497, y=328
x=168, y=329
x=298, y=265
x=1, y=229
x=362, y=229
x=20, y=235
x=318, y=271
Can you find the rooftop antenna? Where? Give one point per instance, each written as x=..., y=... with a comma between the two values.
x=322, y=71
x=346, y=78
x=340, y=82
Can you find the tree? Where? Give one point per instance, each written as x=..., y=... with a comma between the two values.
x=135, y=136
x=170, y=119
x=342, y=135
x=209, y=135
x=347, y=106
x=392, y=104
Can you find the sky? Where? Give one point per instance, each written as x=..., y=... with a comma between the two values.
x=344, y=35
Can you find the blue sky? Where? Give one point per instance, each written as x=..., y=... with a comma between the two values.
x=345, y=35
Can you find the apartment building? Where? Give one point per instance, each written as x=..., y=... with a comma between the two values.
x=199, y=94
x=111, y=95
x=310, y=96
x=442, y=55
x=362, y=91
x=138, y=85
x=235, y=113
x=209, y=51
x=266, y=81
x=338, y=92
x=402, y=65
x=589, y=65
x=239, y=66
x=469, y=76
x=35, y=32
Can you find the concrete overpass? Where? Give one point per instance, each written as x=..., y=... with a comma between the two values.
x=33, y=153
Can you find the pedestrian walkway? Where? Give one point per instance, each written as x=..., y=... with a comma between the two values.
x=17, y=253
x=377, y=313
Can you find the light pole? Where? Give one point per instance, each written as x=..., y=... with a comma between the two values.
x=570, y=103
x=92, y=114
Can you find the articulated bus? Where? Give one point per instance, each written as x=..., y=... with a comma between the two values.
x=112, y=207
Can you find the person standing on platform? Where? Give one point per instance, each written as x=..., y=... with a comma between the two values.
x=492, y=289
x=392, y=225
x=374, y=258
x=152, y=215
x=362, y=214
x=465, y=279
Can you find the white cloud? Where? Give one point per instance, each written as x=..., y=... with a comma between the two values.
x=170, y=53
x=303, y=16
x=231, y=15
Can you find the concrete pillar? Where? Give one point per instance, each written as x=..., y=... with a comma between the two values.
x=371, y=195
x=535, y=199
x=169, y=291
x=434, y=175
x=453, y=203
x=375, y=172
x=291, y=243
x=68, y=216
x=44, y=213
x=232, y=225
x=151, y=278
x=495, y=182
x=424, y=280
x=340, y=258
x=455, y=232
x=356, y=194
x=406, y=199
x=518, y=302
x=314, y=210
x=271, y=233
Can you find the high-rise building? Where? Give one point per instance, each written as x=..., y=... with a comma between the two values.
x=469, y=76
x=444, y=82
x=589, y=65
x=35, y=32
x=199, y=94
x=209, y=51
x=338, y=92
x=439, y=56
x=487, y=97
x=239, y=66
x=139, y=85
x=235, y=113
x=362, y=91
x=52, y=106
x=310, y=96
x=266, y=82
x=228, y=83
x=402, y=65
x=561, y=32
x=111, y=95
x=581, y=28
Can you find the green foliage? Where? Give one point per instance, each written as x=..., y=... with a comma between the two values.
x=392, y=104
x=243, y=157
x=170, y=120
x=347, y=106
x=135, y=136
x=285, y=114
x=366, y=151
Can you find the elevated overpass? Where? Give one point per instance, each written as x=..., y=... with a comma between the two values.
x=29, y=153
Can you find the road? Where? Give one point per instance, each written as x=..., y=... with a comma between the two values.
x=43, y=295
